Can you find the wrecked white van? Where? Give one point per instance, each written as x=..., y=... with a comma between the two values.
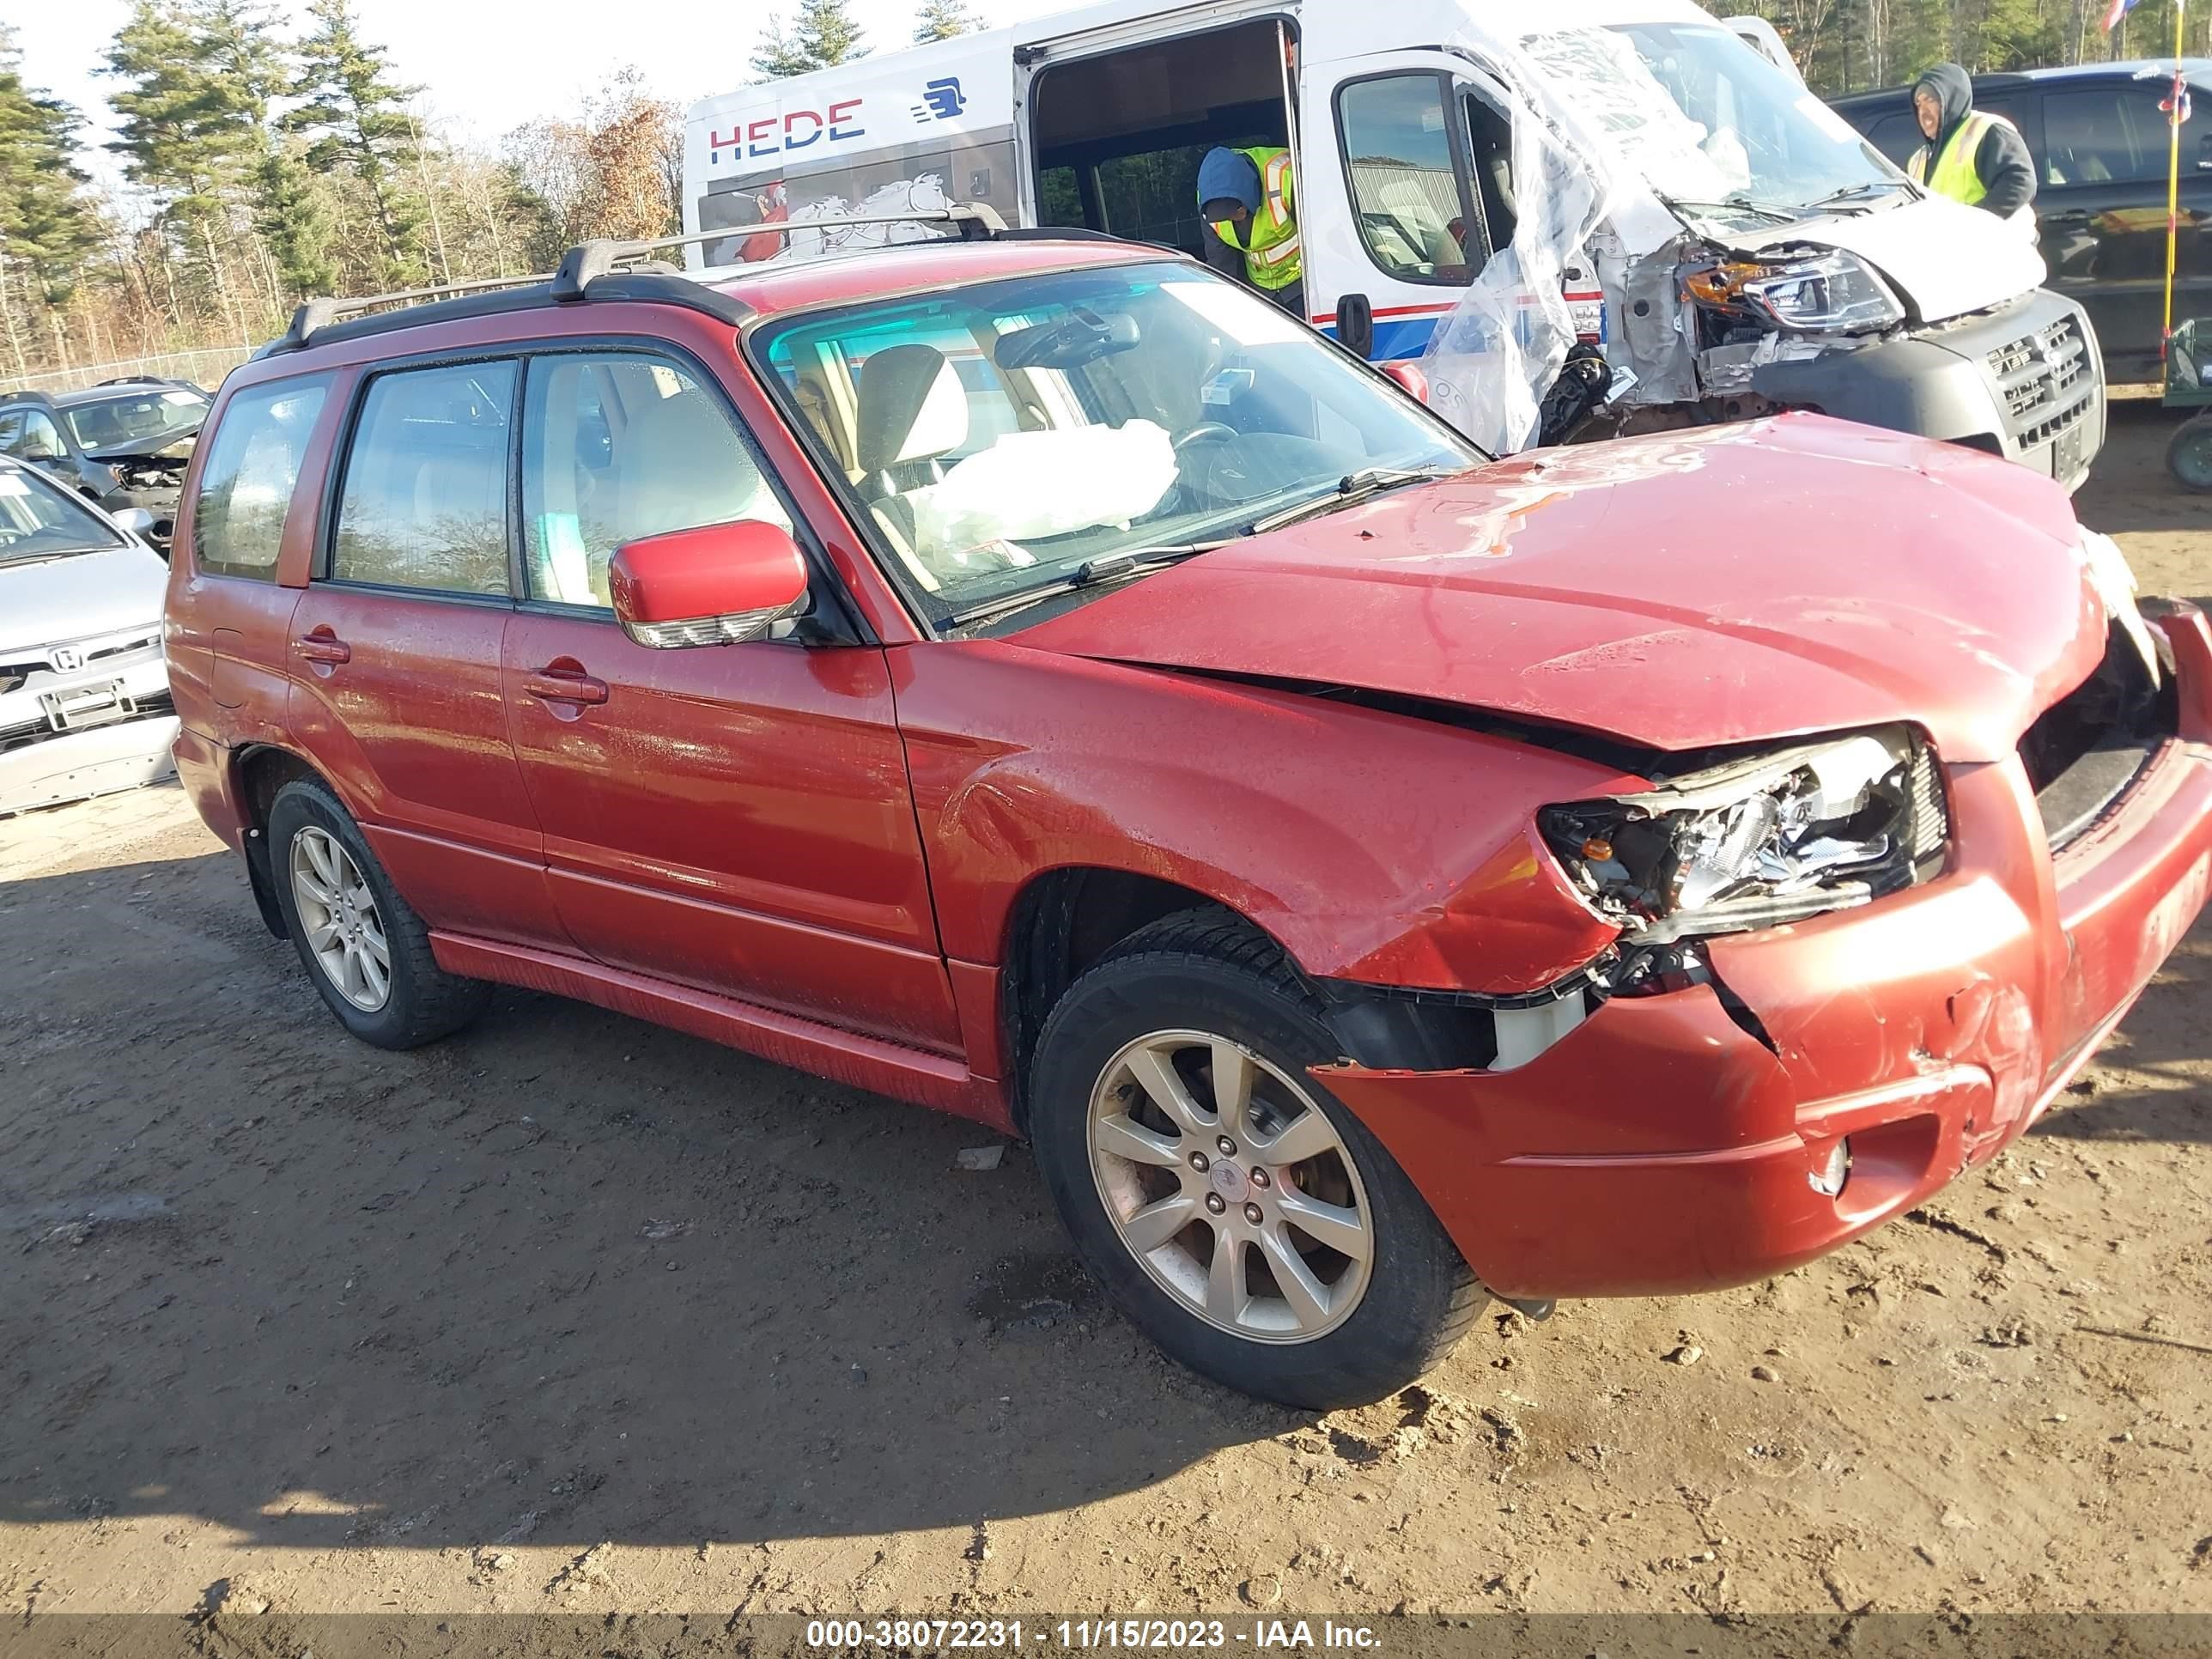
x=1628, y=176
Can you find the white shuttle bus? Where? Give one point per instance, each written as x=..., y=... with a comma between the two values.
x=1479, y=188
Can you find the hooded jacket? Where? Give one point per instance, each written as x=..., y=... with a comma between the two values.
x=2002, y=159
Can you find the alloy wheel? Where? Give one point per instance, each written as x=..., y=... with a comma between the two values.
x=1231, y=1186
x=339, y=915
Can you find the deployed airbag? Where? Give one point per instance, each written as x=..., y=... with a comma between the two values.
x=1034, y=484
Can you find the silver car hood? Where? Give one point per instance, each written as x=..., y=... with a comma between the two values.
x=79, y=596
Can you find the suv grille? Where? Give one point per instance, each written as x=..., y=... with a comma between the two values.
x=2045, y=379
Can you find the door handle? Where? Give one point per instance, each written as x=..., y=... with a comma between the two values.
x=561, y=683
x=323, y=648
x=2074, y=219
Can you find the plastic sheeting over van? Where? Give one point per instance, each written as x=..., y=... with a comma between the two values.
x=1578, y=194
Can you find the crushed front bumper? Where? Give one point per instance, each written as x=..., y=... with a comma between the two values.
x=1667, y=1143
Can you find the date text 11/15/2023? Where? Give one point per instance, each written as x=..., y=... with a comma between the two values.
x=1142, y=1634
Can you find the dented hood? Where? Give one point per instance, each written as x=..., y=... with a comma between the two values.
x=1744, y=582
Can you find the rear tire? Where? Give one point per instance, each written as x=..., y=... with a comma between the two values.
x=364, y=948
x=1321, y=1279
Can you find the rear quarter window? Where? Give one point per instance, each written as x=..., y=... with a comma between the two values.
x=253, y=467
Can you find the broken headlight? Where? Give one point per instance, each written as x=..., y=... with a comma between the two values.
x=1757, y=843
x=1832, y=292
x=1820, y=294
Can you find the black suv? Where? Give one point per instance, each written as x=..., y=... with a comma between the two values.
x=2100, y=142
x=123, y=444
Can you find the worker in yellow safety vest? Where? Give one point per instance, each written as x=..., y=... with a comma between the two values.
x=1971, y=155
x=1248, y=203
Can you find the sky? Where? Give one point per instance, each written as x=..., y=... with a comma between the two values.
x=489, y=65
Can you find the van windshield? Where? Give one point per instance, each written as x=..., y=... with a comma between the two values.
x=1040, y=432
x=1719, y=133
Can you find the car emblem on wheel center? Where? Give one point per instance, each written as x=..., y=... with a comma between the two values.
x=68, y=660
x=1229, y=1181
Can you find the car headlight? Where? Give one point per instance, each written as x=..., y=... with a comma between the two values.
x=1755, y=842
x=1828, y=293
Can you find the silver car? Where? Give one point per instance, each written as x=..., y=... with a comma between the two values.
x=84, y=692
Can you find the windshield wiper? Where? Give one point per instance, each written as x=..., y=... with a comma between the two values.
x=1351, y=488
x=1857, y=192
x=1685, y=208
x=1132, y=561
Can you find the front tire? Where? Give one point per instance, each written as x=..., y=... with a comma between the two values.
x=366, y=951
x=1233, y=1207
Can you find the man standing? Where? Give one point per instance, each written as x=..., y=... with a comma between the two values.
x=1247, y=199
x=1971, y=155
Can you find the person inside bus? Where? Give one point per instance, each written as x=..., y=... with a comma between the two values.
x=1248, y=201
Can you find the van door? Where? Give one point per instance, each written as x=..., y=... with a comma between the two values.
x=1390, y=207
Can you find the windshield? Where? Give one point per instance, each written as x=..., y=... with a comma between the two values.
x=38, y=519
x=145, y=420
x=1717, y=131
x=1016, y=435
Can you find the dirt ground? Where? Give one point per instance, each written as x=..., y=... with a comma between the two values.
x=575, y=1315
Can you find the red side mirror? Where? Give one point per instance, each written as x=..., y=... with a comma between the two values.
x=1409, y=378
x=717, y=585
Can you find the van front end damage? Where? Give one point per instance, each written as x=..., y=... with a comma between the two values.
x=1769, y=1095
x=1734, y=290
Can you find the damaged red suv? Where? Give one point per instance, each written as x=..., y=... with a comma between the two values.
x=1038, y=679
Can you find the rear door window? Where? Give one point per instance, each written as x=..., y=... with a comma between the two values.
x=617, y=446
x=1406, y=188
x=424, y=501
x=246, y=482
x=2108, y=135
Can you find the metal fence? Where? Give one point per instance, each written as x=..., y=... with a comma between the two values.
x=204, y=367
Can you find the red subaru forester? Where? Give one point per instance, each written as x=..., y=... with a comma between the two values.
x=1038, y=680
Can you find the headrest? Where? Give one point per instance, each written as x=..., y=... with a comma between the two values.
x=913, y=407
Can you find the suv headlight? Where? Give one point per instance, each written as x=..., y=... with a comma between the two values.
x=1828, y=293
x=1756, y=842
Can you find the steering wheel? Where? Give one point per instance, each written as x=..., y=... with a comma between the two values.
x=1205, y=432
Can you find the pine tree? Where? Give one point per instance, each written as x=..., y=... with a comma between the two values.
x=294, y=219
x=193, y=108
x=825, y=32
x=778, y=56
x=357, y=121
x=940, y=20
x=47, y=232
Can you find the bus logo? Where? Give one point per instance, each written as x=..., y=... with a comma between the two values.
x=941, y=101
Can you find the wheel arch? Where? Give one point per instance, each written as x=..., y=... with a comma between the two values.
x=1062, y=922
x=259, y=770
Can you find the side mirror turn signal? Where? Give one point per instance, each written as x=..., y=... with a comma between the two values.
x=720, y=584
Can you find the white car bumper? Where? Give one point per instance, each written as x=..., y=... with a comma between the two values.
x=100, y=728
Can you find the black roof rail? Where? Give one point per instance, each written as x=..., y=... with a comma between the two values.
x=608, y=270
